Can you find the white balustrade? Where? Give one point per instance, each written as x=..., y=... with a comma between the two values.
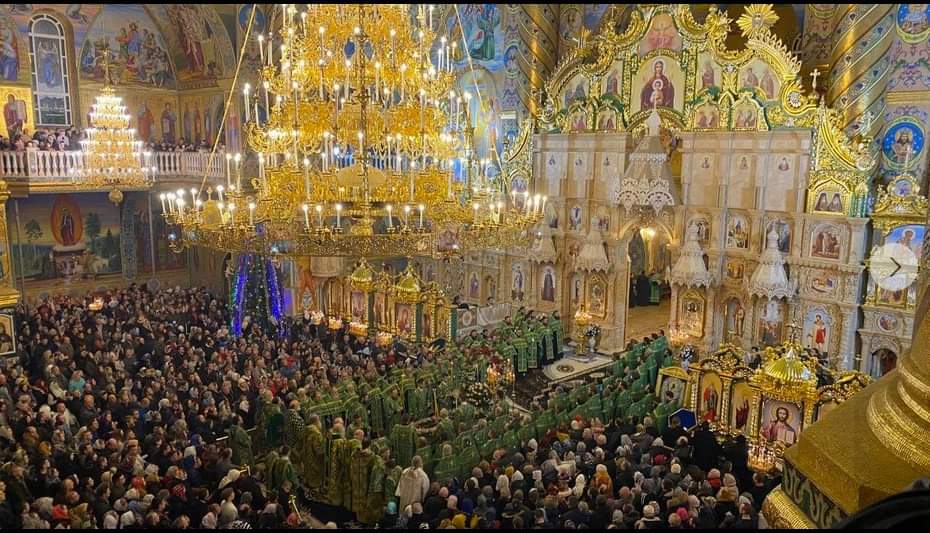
x=48, y=166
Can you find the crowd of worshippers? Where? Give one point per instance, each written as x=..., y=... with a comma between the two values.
x=136, y=413
x=135, y=416
x=125, y=417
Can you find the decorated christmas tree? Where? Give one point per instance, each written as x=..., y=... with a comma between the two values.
x=256, y=297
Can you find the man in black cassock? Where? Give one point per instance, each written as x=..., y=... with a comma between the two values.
x=643, y=289
x=633, y=296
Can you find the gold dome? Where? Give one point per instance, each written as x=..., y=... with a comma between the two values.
x=788, y=368
x=408, y=287
x=362, y=277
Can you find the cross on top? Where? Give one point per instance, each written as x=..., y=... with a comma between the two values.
x=814, y=75
x=793, y=331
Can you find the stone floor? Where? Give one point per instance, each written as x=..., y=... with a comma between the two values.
x=644, y=321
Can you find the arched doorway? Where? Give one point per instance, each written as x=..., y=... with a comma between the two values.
x=648, y=290
x=883, y=361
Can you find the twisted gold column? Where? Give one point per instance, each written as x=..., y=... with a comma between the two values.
x=539, y=31
x=860, y=63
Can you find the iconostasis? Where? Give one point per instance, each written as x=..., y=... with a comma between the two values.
x=750, y=151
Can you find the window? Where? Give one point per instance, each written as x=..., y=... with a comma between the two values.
x=49, y=54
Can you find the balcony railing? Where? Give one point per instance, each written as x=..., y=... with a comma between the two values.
x=43, y=166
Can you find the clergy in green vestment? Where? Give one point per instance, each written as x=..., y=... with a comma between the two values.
x=508, y=351
x=392, y=473
x=446, y=466
x=555, y=328
x=293, y=425
x=281, y=470
x=403, y=442
x=529, y=334
x=393, y=409
x=338, y=482
x=241, y=444
x=360, y=471
x=377, y=497
x=262, y=415
x=311, y=453
x=655, y=289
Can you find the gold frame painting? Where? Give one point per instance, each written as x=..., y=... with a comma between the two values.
x=8, y=335
x=594, y=282
x=666, y=375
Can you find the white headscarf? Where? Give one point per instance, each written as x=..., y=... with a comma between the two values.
x=503, y=485
x=580, y=484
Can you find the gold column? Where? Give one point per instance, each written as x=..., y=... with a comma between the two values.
x=539, y=31
x=9, y=296
x=860, y=62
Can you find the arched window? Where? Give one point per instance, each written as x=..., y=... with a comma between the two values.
x=49, y=54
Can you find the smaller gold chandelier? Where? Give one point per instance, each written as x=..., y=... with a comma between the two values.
x=110, y=155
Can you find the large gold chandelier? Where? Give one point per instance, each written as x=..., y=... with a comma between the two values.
x=358, y=154
x=111, y=155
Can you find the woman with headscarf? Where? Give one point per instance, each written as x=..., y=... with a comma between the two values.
x=503, y=486
x=602, y=480
x=727, y=496
x=580, y=484
x=208, y=521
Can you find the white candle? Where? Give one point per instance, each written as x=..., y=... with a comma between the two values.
x=161, y=197
x=245, y=101
x=348, y=69
x=232, y=213
x=407, y=216
x=251, y=213
x=339, y=215
x=403, y=79
x=306, y=209
x=228, y=159
x=475, y=207
x=319, y=214
x=307, y=177
x=410, y=169
x=393, y=54
x=237, y=158
x=219, y=192
x=389, y=220
x=420, y=208
x=449, y=188
x=261, y=166
x=261, y=48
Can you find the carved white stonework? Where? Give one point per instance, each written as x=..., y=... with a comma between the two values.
x=593, y=257
x=690, y=270
x=770, y=279
x=648, y=180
